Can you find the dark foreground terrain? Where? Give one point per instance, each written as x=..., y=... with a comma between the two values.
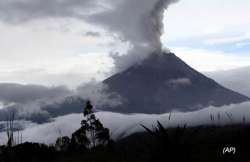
x=202, y=143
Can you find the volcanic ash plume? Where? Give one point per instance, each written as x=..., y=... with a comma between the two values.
x=154, y=23
x=138, y=22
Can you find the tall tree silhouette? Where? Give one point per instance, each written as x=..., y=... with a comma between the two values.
x=92, y=131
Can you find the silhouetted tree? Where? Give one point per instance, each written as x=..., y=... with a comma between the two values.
x=92, y=131
x=62, y=143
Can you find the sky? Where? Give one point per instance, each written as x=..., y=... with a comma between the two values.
x=60, y=50
x=210, y=35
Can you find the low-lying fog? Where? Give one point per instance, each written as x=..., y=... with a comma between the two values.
x=122, y=125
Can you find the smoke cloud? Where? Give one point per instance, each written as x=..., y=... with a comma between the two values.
x=138, y=23
x=98, y=94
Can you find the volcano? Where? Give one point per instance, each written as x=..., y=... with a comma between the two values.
x=163, y=83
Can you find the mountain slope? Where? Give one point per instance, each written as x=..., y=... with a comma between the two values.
x=163, y=83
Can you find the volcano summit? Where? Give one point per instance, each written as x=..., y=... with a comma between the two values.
x=163, y=83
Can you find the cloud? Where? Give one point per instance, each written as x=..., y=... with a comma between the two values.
x=180, y=81
x=122, y=125
x=243, y=44
x=235, y=79
x=139, y=23
x=227, y=40
x=1, y=105
x=98, y=94
x=26, y=101
x=19, y=11
x=220, y=30
x=199, y=21
x=17, y=93
x=216, y=60
x=92, y=34
x=55, y=71
x=40, y=104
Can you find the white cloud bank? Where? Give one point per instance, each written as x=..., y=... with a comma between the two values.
x=122, y=125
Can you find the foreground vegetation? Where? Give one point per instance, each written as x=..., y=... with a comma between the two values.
x=92, y=143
